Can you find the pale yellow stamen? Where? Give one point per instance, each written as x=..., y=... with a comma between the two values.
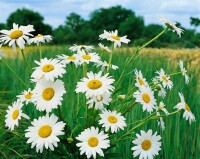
x=140, y=81
x=112, y=119
x=48, y=68
x=187, y=107
x=48, y=94
x=146, y=145
x=16, y=34
x=38, y=36
x=115, y=37
x=15, y=114
x=165, y=79
x=28, y=95
x=93, y=141
x=45, y=131
x=146, y=98
x=71, y=58
x=86, y=57
x=94, y=84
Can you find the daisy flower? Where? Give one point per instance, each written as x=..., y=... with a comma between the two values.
x=112, y=120
x=104, y=48
x=14, y=114
x=18, y=35
x=40, y=39
x=184, y=72
x=147, y=145
x=65, y=59
x=87, y=58
x=49, y=69
x=98, y=102
x=95, y=85
x=145, y=96
x=188, y=115
x=44, y=132
x=47, y=95
x=140, y=80
x=26, y=96
x=113, y=36
x=165, y=79
x=92, y=141
x=158, y=87
x=160, y=121
x=104, y=65
x=172, y=26
x=81, y=48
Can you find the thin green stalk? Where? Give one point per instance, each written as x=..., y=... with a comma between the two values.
x=172, y=74
x=129, y=108
x=14, y=73
x=22, y=50
x=40, y=49
x=110, y=58
x=156, y=37
x=84, y=69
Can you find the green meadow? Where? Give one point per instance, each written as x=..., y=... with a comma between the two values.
x=180, y=140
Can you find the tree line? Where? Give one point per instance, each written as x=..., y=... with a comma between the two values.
x=78, y=30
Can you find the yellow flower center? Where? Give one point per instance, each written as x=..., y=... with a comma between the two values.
x=15, y=114
x=146, y=98
x=146, y=145
x=99, y=100
x=187, y=107
x=94, y=84
x=45, y=131
x=48, y=68
x=38, y=36
x=28, y=95
x=140, y=81
x=165, y=79
x=112, y=119
x=16, y=34
x=48, y=94
x=86, y=57
x=115, y=37
x=71, y=58
x=93, y=141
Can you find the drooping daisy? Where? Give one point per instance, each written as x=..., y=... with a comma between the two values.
x=65, y=59
x=140, y=80
x=161, y=107
x=49, y=69
x=165, y=79
x=26, y=96
x=112, y=120
x=188, y=115
x=18, y=35
x=47, y=95
x=104, y=48
x=92, y=141
x=81, y=48
x=113, y=36
x=95, y=85
x=160, y=121
x=172, y=26
x=14, y=114
x=98, y=102
x=147, y=145
x=87, y=58
x=145, y=96
x=40, y=39
x=44, y=132
x=184, y=72
x=106, y=65
x=158, y=87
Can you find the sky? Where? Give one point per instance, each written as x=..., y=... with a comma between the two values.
x=55, y=11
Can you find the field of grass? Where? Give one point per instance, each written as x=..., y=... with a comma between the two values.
x=180, y=140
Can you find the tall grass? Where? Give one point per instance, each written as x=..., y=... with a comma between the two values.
x=179, y=140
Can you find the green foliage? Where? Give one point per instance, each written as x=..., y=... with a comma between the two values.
x=25, y=16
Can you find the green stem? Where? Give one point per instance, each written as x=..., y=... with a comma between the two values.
x=110, y=59
x=129, y=108
x=156, y=37
x=84, y=69
x=25, y=60
x=14, y=73
x=40, y=49
x=172, y=74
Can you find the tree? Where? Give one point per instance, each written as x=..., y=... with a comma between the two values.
x=109, y=18
x=195, y=21
x=25, y=16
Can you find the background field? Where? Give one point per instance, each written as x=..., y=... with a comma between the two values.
x=179, y=140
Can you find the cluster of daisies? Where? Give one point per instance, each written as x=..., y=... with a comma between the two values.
x=49, y=89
